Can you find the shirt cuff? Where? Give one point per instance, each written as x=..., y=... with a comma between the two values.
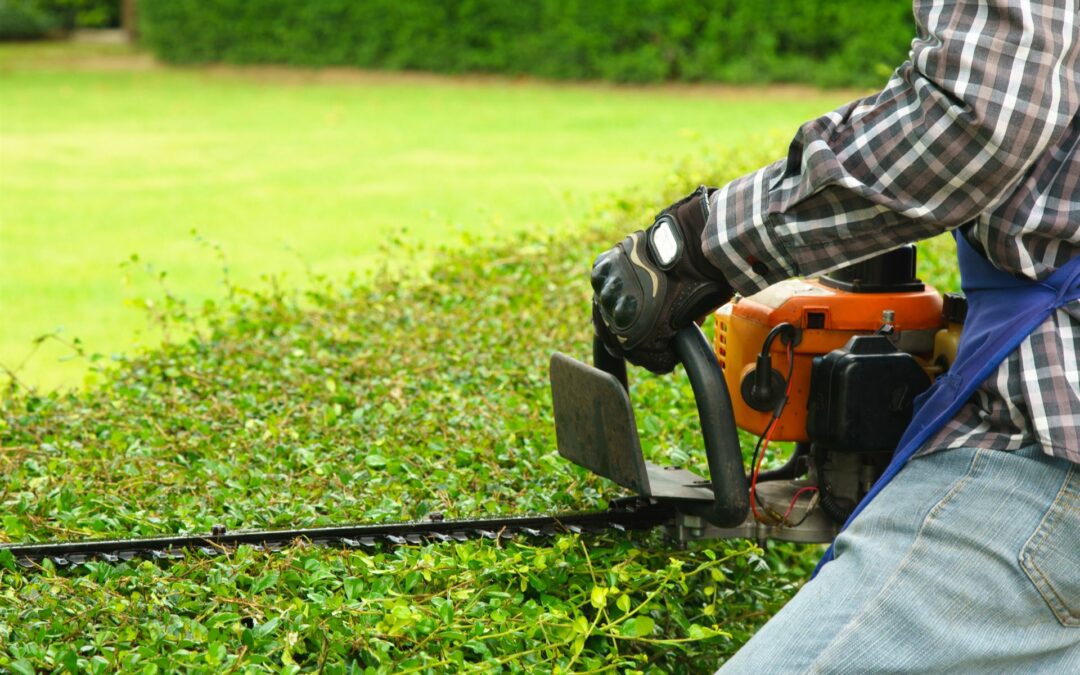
x=738, y=238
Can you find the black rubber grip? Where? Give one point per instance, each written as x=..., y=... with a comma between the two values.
x=608, y=362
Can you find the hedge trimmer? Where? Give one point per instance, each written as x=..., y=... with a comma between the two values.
x=831, y=364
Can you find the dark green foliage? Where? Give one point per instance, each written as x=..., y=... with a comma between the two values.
x=373, y=400
x=83, y=13
x=24, y=20
x=832, y=42
x=34, y=19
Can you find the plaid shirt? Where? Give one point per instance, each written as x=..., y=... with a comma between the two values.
x=980, y=126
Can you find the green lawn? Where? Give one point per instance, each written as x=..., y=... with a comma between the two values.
x=104, y=155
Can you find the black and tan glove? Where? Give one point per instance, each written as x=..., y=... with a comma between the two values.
x=656, y=282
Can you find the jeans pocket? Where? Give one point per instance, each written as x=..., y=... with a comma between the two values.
x=1051, y=556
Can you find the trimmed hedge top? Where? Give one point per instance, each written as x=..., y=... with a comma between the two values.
x=827, y=43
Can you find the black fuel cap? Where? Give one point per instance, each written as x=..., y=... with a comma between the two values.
x=954, y=307
x=889, y=272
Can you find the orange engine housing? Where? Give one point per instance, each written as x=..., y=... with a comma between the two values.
x=827, y=318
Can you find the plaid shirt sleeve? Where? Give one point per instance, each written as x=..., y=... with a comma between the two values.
x=989, y=86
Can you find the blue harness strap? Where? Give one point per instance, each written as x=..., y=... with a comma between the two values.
x=1002, y=311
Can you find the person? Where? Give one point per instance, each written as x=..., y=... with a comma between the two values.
x=969, y=558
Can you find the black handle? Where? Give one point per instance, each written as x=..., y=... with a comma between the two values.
x=731, y=501
x=608, y=362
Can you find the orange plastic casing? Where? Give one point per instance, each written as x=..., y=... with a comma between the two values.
x=827, y=319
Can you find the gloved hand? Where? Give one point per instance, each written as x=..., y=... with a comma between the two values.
x=656, y=282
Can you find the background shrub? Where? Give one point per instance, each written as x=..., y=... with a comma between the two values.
x=35, y=19
x=828, y=43
x=24, y=20
x=83, y=13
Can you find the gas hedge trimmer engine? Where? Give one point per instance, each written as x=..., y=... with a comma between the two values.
x=832, y=365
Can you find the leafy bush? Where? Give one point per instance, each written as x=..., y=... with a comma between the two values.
x=83, y=13
x=34, y=19
x=379, y=399
x=24, y=20
x=830, y=42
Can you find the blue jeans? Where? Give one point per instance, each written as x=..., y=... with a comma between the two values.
x=968, y=561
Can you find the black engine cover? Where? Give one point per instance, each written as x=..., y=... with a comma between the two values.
x=861, y=395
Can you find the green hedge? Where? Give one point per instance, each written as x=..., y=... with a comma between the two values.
x=83, y=13
x=24, y=20
x=832, y=42
x=35, y=19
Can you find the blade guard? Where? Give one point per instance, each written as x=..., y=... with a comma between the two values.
x=595, y=428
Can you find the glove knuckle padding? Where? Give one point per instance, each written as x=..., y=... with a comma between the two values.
x=611, y=292
x=628, y=288
x=600, y=272
x=637, y=306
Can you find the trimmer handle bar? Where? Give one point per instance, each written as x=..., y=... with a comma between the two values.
x=595, y=428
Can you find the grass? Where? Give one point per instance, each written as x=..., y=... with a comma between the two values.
x=106, y=155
